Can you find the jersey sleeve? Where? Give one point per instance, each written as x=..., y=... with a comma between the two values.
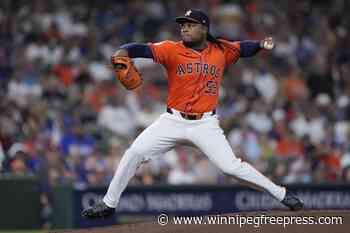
x=162, y=51
x=232, y=51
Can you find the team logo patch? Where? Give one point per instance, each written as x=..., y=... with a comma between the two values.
x=188, y=13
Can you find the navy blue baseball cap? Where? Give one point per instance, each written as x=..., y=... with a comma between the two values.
x=194, y=16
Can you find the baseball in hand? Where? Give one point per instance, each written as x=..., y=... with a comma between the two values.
x=267, y=43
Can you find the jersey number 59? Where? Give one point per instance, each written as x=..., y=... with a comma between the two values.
x=211, y=88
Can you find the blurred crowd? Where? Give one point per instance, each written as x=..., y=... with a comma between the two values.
x=65, y=118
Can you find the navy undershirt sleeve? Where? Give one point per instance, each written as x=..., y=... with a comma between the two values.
x=249, y=48
x=136, y=50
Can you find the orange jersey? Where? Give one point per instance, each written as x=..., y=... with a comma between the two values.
x=194, y=78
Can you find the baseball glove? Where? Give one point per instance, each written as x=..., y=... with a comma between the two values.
x=126, y=72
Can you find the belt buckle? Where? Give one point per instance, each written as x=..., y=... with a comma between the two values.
x=192, y=116
x=199, y=116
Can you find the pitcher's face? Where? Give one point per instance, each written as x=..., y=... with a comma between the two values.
x=193, y=32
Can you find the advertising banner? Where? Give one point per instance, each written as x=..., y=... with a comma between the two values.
x=205, y=200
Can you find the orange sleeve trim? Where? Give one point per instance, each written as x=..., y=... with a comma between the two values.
x=237, y=45
x=232, y=45
x=155, y=57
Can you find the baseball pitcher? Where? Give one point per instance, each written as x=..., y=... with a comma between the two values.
x=195, y=67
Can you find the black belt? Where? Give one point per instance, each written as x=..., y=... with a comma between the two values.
x=190, y=116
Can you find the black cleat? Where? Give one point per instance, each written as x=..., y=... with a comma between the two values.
x=99, y=210
x=292, y=202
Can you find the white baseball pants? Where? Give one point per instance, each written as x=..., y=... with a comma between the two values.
x=205, y=133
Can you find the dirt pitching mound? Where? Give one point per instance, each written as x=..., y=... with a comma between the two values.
x=300, y=222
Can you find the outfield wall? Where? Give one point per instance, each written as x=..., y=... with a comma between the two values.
x=19, y=202
x=149, y=201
